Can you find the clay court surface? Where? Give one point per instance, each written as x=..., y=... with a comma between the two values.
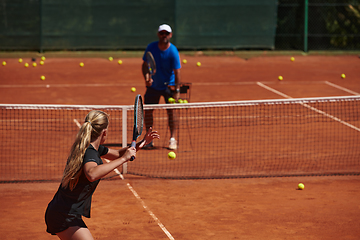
x=246, y=208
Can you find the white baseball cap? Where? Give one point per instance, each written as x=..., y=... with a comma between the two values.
x=164, y=27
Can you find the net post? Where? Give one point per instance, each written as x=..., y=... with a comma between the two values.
x=124, y=134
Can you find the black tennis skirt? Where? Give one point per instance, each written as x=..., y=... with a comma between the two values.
x=57, y=221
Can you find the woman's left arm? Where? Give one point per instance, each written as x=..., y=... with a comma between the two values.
x=115, y=154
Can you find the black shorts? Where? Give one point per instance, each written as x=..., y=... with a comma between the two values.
x=152, y=96
x=57, y=222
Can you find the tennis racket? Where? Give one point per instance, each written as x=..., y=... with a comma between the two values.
x=138, y=120
x=151, y=63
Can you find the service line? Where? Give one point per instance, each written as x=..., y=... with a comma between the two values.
x=311, y=108
x=341, y=88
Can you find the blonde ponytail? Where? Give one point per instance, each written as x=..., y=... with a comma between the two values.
x=95, y=123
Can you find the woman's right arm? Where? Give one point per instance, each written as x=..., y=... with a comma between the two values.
x=93, y=171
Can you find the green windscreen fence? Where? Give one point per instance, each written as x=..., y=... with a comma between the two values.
x=124, y=24
x=20, y=25
x=226, y=23
x=102, y=24
x=197, y=24
x=329, y=25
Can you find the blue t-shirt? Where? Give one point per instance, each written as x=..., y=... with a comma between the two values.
x=166, y=61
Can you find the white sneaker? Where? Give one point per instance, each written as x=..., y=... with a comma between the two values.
x=172, y=144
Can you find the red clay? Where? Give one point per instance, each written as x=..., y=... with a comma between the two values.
x=258, y=208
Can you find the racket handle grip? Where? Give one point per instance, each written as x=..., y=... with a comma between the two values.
x=133, y=144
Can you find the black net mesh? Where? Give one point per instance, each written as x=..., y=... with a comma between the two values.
x=214, y=140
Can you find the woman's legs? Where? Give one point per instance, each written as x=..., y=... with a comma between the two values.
x=75, y=233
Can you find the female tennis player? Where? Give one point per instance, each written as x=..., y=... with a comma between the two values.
x=82, y=174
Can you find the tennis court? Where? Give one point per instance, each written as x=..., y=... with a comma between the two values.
x=153, y=208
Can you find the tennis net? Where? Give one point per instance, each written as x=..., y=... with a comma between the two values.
x=292, y=137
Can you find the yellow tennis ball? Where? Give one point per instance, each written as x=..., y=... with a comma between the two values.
x=20, y=60
x=110, y=59
x=185, y=101
x=292, y=59
x=34, y=64
x=42, y=78
x=133, y=89
x=43, y=58
x=184, y=61
x=171, y=155
x=301, y=186
x=26, y=64
x=119, y=62
x=42, y=62
x=343, y=75
x=3, y=63
x=81, y=64
x=171, y=100
x=280, y=78
x=198, y=64
x=180, y=101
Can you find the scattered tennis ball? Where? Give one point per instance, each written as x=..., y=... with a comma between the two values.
x=292, y=59
x=47, y=86
x=171, y=155
x=343, y=75
x=26, y=64
x=81, y=64
x=20, y=60
x=41, y=62
x=184, y=61
x=110, y=59
x=280, y=78
x=186, y=101
x=43, y=58
x=180, y=101
x=133, y=89
x=301, y=186
x=42, y=78
x=34, y=64
x=198, y=64
x=119, y=62
x=4, y=63
x=171, y=100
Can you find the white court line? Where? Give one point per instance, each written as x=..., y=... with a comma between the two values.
x=113, y=85
x=311, y=108
x=131, y=84
x=163, y=228
x=273, y=90
x=77, y=123
x=110, y=85
x=70, y=85
x=168, y=234
x=341, y=88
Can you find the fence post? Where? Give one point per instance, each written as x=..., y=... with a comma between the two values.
x=41, y=27
x=306, y=25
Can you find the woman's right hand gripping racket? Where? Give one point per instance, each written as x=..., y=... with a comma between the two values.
x=138, y=120
x=151, y=64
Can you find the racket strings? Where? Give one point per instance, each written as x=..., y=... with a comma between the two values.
x=151, y=63
x=139, y=118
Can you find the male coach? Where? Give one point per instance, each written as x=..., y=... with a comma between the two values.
x=166, y=80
